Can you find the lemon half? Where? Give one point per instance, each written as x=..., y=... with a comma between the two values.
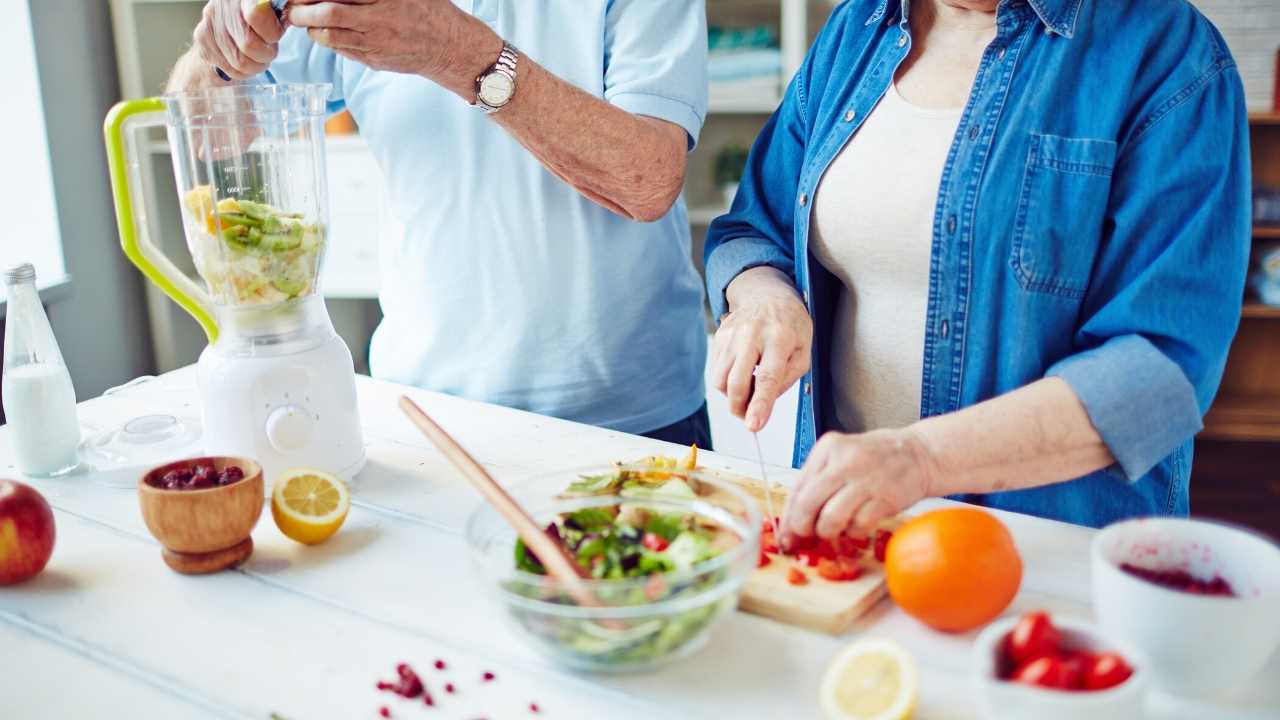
x=309, y=505
x=870, y=680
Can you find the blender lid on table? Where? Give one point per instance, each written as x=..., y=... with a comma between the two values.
x=119, y=456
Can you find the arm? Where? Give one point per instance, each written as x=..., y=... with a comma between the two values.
x=1155, y=329
x=763, y=342
x=626, y=154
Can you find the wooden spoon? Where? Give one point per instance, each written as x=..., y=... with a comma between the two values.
x=551, y=553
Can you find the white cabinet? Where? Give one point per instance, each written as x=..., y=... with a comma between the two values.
x=357, y=217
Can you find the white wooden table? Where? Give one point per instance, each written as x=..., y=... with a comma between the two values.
x=108, y=631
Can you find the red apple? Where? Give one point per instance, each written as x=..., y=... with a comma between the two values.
x=26, y=532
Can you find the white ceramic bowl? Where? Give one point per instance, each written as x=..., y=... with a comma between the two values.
x=1196, y=645
x=1000, y=699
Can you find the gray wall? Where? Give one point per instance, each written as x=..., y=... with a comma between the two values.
x=102, y=324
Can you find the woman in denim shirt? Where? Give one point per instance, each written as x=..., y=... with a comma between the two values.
x=1029, y=215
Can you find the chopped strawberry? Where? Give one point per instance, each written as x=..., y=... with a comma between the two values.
x=764, y=560
x=839, y=569
x=882, y=543
x=851, y=546
x=796, y=576
x=655, y=542
x=808, y=557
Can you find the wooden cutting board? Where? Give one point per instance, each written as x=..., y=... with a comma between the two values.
x=822, y=605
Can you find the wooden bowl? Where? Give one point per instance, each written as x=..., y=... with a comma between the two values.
x=204, y=530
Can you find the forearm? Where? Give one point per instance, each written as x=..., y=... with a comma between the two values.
x=1036, y=435
x=191, y=73
x=630, y=164
x=755, y=283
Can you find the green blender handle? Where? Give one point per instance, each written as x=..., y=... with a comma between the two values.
x=120, y=128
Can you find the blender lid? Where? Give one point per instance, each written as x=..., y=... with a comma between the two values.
x=119, y=456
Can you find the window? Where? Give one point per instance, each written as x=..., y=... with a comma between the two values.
x=29, y=230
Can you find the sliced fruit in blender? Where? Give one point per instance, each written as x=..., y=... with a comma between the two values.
x=262, y=255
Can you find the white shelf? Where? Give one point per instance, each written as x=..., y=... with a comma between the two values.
x=704, y=214
x=743, y=106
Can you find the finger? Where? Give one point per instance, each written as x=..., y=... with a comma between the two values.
x=837, y=515
x=262, y=20
x=337, y=38
x=814, y=469
x=327, y=15
x=232, y=58
x=818, y=469
x=722, y=362
x=802, y=513
x=740, y=378
x=208, y=50
x=872, y=512
x=769, y=384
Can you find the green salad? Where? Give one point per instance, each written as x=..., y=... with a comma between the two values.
x=652, y=551
x=251, y=253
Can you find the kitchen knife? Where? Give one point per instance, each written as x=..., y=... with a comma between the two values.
x=768, y=489
x=278, y=6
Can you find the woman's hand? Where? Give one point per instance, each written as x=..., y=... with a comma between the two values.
x=852, y=482
x=238, y=36
x=762, y=346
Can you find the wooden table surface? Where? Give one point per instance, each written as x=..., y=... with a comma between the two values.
x=306, y=632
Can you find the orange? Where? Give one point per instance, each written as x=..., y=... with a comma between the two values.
x=953, y=569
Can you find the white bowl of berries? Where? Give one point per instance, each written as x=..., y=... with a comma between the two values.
x=1055, y=668
x=1201, y=600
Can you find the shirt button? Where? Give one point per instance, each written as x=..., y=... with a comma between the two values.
x=806, y=297
x=849, y=116
x=1001, y=54
x=804, y=199
x=951, y=225
x=806, y=388
x=1048, y=31
x=945, y=330
x=973, y=132
x=902, y=40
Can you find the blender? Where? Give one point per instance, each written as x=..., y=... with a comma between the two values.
x=276, y=382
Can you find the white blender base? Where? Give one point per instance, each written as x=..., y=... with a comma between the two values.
x=284, y=411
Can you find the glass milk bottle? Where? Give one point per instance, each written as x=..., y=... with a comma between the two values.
x=39, y=402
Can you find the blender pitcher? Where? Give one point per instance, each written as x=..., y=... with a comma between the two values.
x=276, y=382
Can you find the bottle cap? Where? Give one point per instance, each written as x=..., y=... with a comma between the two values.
x=20, y=273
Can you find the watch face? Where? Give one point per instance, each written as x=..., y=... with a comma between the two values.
x=496, y=89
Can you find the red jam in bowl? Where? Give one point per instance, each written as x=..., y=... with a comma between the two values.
x=196, y=476
x=1181, y=581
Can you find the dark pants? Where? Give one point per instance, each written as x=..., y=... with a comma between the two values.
x=693, y=430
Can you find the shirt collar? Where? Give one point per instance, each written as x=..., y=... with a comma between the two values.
x=1058, y=15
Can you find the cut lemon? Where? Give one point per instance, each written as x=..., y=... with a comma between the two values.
x=309, y=505
x=870, y=680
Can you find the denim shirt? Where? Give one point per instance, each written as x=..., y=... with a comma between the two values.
x=1092, y=224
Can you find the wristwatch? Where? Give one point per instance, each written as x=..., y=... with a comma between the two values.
x=496, y=86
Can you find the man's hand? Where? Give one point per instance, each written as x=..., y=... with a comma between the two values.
x=431, y=38
x=762, y=346
x=851, y=482
x=238, y=36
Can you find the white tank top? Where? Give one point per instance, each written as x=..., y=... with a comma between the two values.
x=873, y=220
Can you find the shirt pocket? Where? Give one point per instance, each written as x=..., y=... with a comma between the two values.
x=1061, y=208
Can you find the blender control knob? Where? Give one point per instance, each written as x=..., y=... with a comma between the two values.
x=289, y=427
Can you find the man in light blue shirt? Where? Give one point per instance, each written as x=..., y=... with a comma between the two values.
x=534, y=154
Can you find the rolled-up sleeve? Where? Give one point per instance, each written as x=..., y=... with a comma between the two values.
x=655, y=60
x=1164, y=302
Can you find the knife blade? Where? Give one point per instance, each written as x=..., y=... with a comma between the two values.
x=768, y=488
x=278, y=7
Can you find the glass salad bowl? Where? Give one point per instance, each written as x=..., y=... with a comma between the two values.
x=667, y=551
